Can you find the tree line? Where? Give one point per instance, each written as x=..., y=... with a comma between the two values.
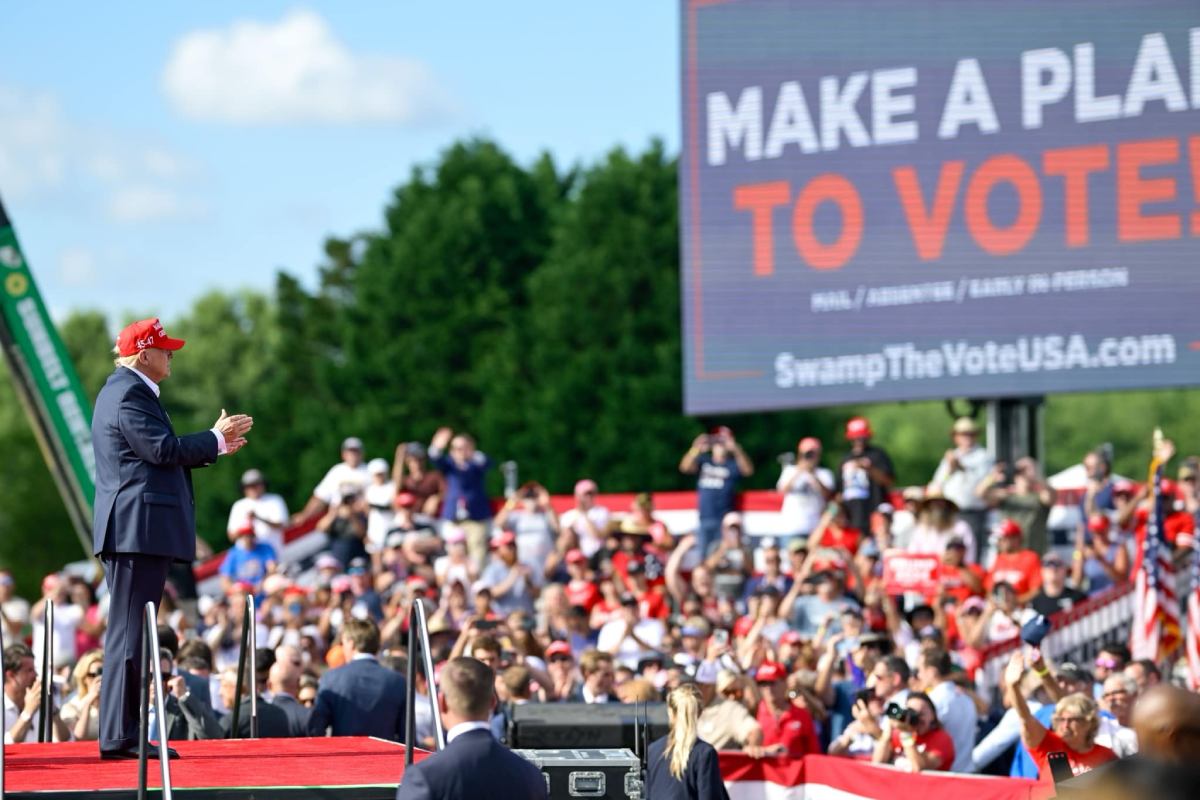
x=536, y=306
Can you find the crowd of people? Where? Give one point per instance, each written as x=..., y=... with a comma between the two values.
x=792, y=641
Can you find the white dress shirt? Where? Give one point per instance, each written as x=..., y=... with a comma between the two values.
x=466, y=727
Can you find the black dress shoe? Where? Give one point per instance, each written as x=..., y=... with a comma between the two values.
x=132, y=753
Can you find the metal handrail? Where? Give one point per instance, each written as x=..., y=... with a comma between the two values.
x=249, y=646
x=151, y=661
x=418, y=640
x=47, y=670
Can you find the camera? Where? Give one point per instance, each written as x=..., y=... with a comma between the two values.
x=901, y=714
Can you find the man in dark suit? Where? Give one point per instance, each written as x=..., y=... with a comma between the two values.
x=362, y=697
x=597, y=686
x=284, y=684
x=144, y=513
x=473, y=764
x=272, y=721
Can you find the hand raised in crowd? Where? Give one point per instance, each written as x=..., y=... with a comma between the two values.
x=33, y=697
x=177, y=686
x=441, y=438
x=865, y=719
x=1014, y=672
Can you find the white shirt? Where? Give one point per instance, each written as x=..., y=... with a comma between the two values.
x=927, y=540
x=340, y=480
x=589, y=543
x=381, y=516
x=222, y=449
x=805, y=500
x=271, y=515
x=626, y=651
x=588, y=697
x=957, y=714
x=11, y=713
x=466, y=727
x=959, y=485
x=67, y=617
x=1116, y=737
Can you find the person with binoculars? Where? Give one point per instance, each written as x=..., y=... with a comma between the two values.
x=911, y=737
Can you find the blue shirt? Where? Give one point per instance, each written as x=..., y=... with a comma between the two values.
x=465, y=488
x=715, y=485
x=248, y=564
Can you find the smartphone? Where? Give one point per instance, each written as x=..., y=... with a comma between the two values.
x=486, y=625
x=721, y=637
x=1060, y=767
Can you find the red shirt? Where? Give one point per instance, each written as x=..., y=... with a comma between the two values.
x=934, y=741
x=652, y=605
x=847, y=538
x=1080, y=762
x=952, y=581
x=583, y=593
x=794, y=729
x=1022, y=569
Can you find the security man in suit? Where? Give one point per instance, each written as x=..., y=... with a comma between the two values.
x=473, y=764
x=144, y=513
x=361, y=697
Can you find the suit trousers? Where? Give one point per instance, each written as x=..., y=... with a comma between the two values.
x=133, y=580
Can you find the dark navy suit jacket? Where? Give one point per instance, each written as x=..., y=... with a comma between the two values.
x=701, y=777
x=473, y=767
x=362, y=698
x=144, y=500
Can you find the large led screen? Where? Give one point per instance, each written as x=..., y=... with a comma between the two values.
x=899, y=199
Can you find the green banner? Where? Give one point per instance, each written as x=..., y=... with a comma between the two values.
x=47, y=383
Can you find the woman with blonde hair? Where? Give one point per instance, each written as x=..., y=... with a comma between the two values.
x=681, y=765
x=82, y=712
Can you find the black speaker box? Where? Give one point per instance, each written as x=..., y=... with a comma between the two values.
x=574, y=726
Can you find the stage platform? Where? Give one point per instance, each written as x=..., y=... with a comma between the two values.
x=344, y=768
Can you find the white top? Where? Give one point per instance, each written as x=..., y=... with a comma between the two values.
x=926, y=540
x=804, y=502
x=271, y=515
x=67, y=617
x=957, y=714
x=588, y=542
x=959, y=485
x=340, y=480
x=381, y=516
x=626, y=651
x=11, y=713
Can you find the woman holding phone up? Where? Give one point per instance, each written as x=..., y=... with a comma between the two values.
x=681, y=765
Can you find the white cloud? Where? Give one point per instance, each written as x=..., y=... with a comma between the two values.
x=77, y=267
x=294, y=70
x=45, y=153
x=147, y=203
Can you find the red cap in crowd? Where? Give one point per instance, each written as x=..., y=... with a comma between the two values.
x=858, y=428
x=137, y=336
x=503, y=538
x=405, y=500
x=1009, y=528
x=586, y=485
x=791, y=637
x=558, y=648
x=1099, y=523
x=576, y=556
x=769, y=672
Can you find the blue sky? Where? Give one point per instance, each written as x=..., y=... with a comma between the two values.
x=152, y=151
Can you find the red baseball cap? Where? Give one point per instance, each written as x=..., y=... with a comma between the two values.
x=576, y=556
x=791, y=637
x=858, y=428
x=1009, y=528
x=558, y=649
x=809, y=443
x=1099, y=523
x=769, y=672
x=503, y=538
x=586, y=485
x=143, y=334
x=405, y=500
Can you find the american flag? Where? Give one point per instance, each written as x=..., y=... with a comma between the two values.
x=1156, y=631
x=1192, y=635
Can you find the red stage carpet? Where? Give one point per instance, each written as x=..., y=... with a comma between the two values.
x=351, y=767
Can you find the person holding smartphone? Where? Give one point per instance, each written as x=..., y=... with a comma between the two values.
x=806, y=487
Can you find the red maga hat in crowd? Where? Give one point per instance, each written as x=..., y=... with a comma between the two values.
x=1009, y=528
x=143, y=334
x=858, y=428
x=769, y=672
